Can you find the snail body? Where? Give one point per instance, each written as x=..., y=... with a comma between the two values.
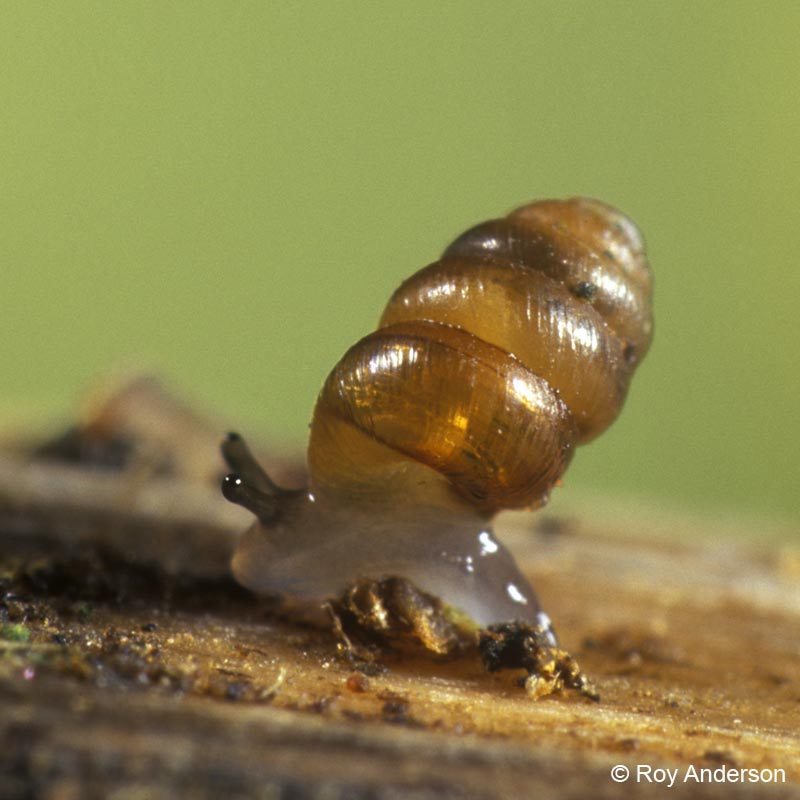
x=488, y=367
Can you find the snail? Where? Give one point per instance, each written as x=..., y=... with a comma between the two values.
x=487, y=368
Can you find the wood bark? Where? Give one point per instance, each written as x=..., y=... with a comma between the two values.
x=131, y=665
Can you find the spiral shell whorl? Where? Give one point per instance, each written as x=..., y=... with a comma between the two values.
x=491, y=363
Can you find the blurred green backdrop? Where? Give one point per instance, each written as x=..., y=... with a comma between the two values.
x=228, y=193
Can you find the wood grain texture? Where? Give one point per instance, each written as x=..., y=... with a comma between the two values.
x=132, y=666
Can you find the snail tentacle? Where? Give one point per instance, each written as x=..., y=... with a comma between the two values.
x=262, y=505
x=239, y=458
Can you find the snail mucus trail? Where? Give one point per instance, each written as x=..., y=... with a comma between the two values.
x=487, y=368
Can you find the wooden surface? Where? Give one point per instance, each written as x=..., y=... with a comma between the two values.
x=132, y=666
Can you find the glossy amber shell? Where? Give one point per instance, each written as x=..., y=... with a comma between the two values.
x=445, y=398
x=490, y=364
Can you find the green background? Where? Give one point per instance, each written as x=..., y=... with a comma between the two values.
x=229, y=192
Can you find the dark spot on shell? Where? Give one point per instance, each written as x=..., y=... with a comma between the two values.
x=585, y=290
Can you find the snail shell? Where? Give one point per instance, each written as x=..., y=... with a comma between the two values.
x=487, y=368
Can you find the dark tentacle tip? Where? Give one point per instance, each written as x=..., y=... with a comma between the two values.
x=232, y=488
x=237, y=489
x=241, y=461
